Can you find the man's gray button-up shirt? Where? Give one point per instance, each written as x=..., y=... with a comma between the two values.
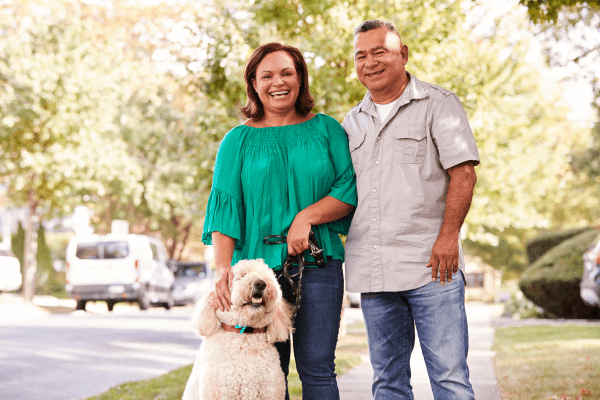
x=402, y=184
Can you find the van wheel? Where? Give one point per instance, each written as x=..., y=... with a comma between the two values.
x=170, y=302
x=110, y=304
x=144, y=301
x=81, y=305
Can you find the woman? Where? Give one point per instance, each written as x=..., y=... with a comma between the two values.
x=286, y=171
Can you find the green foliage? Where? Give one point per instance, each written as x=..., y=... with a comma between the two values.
x=166, y=387
x=548, y=11
x=588, y=160
x=18, y=244
x=542, y=243
x=47, y=280
x=44, y=261
x=125, y=114
x=521, y=308
x=61, y=91
x=507, y=254
x=552, y=282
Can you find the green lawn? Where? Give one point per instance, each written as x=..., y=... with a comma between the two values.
x=171, y=386
x=548, y=362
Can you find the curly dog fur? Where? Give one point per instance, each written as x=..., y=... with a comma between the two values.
x=241, y=366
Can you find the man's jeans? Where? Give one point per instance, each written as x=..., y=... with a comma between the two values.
x=317, y=326
x=438, y=312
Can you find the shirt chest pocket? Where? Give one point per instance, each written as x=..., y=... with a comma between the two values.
x=357, y=150
x=410, y=144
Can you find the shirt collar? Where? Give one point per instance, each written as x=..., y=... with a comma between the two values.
x=415, y=90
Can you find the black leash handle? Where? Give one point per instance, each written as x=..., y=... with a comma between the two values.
x=313, y=245
x=290, y=261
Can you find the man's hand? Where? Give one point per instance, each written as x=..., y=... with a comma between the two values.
x=444, y=258
x=444, y=255
x=222, y=298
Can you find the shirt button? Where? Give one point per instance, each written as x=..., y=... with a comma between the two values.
x=374, y=190
x=377, y=162
x=375, y=246
x=375, y=219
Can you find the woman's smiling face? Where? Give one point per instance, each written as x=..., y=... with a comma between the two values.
x=277, y=83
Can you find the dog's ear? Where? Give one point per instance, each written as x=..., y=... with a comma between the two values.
x=280, y=328
x=205, y=320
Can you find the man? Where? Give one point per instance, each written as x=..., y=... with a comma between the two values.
x=414, y=155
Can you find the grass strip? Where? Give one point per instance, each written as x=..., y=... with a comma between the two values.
x=170, y=386
x=548, y=362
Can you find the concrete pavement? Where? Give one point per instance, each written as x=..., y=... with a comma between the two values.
x=356, y=384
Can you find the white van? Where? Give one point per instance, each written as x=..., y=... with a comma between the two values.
x=119, y=268
x=10, y=271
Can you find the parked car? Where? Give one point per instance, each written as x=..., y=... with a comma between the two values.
x=10, y=271
x=354, y=299
x=192, y=281
x=119, y=268
x=590, y=281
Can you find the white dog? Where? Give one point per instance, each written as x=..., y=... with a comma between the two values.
x=237, y=359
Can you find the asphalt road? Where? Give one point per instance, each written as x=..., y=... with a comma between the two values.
x=76, y=355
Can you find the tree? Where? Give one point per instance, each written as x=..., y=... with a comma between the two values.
x=57, y=112
x=169, y=86
x=518, y=121
x=569, y=29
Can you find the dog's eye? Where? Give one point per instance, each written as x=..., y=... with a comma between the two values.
x=238, y=277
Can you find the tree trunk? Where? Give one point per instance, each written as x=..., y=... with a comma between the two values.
x=30, y=252
x=184, y=241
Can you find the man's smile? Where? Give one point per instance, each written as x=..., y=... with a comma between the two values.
x=375, y=73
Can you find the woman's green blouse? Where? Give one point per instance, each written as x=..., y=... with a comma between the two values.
x=264, y=176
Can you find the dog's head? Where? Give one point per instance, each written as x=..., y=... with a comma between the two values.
x=256, y=301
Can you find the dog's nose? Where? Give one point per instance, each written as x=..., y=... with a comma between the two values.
x=259, y=287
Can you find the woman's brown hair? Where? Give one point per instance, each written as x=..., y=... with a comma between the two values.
x=254, y=107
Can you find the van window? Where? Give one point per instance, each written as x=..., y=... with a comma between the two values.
x=88, y=251
x=116, y=249
x=102, y=250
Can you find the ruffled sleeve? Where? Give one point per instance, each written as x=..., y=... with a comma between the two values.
x=224, y=214
x=225, y=210
x=344, y=184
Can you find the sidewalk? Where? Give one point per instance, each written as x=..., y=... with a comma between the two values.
x=356, y=384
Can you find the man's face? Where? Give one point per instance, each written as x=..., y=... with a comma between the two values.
x=380, y=58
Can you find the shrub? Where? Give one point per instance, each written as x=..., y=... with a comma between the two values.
x=552, y=282
x=542, y=243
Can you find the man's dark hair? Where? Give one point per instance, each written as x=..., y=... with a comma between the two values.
x=371, y=24
x=254, y=107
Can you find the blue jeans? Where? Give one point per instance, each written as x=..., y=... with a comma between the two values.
x=438, y=312
x=317, y=326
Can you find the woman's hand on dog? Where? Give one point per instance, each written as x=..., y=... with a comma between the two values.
x=222, y=298
x=223, y=247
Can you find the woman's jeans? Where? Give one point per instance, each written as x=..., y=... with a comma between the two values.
x=438, y=312
x=317, y=326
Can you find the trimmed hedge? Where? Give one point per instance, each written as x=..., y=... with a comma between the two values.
x=552, y=282
x=542, y=243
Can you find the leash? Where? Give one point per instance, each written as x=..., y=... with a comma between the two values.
x=290, y=261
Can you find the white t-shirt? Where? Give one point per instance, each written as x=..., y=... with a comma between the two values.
x=383, y=110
